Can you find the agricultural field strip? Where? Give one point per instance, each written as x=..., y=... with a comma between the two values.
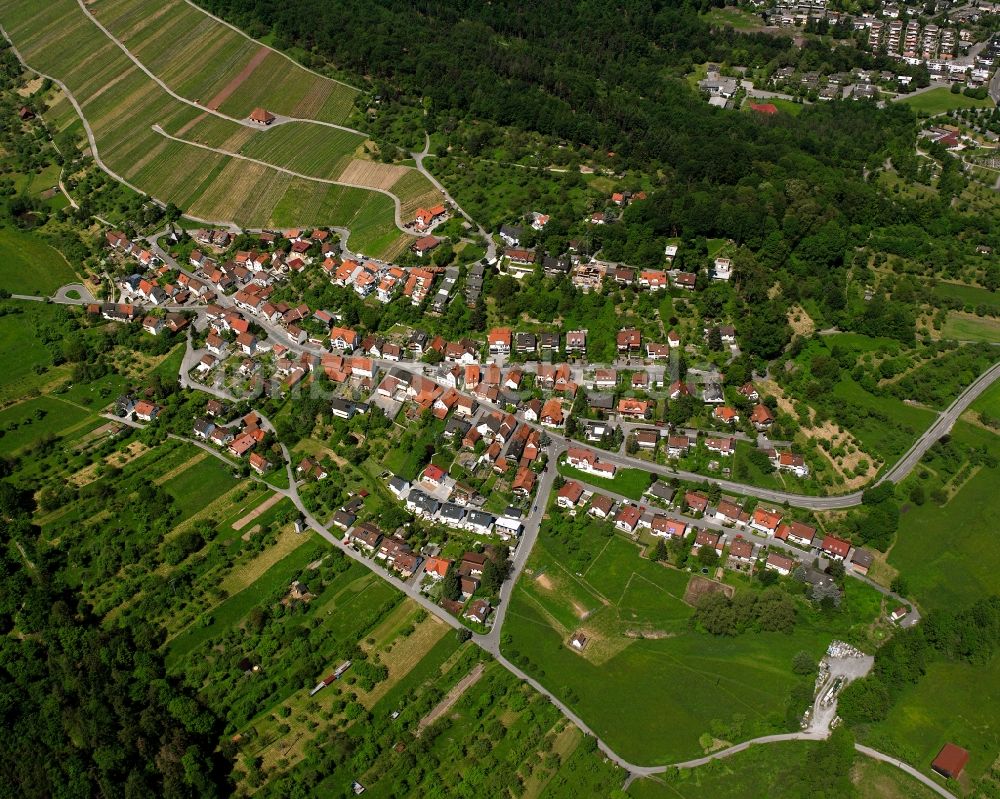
x=88, y=130
x=152, y=76
x=179, y=179
x=242, y=122
x=291, y=60
x=238, y=156
x=331, y=204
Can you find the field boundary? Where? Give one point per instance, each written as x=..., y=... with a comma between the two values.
x=245, y=35
x=240, y=157
x=451, y=698
x=224, y=93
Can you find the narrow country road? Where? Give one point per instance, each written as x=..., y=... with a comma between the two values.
x=230, y=154
x=418, y=158
x=92, y=141
x=490, y=641
x=920, y=777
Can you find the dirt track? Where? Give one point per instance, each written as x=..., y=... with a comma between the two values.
x=452, y=697
x=239, y=524
x=234, y=84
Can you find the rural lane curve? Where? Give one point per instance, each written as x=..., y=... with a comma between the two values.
x=418, y=159
x=490, y=642
x=238, y=156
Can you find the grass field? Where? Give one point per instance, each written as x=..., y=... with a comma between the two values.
x=989, y=401
x=916, y=727
x=646, y=682
x=122, y=104
x=940, y=100
x=30, y=266
x=733, y=18
x=766, y=771
x=27, y=422
x=627, y=482
x=966, y=327
x=199, y=485
x=948, y=553
x=24, y=358
x=968, y=295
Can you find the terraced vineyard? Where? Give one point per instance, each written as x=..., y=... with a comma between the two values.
x=160, y=143
x=236, y=74
x=205, y=60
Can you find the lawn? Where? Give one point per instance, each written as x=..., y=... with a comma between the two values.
x=197, y=487
x=30, y=266
x=653, y=697
x=918, y=725
x=968, y=295
x=27, y=422
x=948, y=554
x=940, y=100
x=627, y=482
x=967, y=327
x=766, y=771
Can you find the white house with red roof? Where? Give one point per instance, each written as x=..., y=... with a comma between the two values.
x=765, y=521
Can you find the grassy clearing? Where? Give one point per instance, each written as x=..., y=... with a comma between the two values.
x=917, y=727
x=989, y=401
x=648, y=683
x=199, y=485
x=30, y=266
x=968, y=295
x=967, y=327
x=627, y=482
x=24, y=359
x=27, y=422
x=948, y=553
x=938, y=101
x=733, y=18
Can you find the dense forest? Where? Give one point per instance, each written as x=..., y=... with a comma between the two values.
x=588, y=72
x=87, y=709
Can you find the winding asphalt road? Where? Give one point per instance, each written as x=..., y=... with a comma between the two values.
x=397, y=217
x=418, y=158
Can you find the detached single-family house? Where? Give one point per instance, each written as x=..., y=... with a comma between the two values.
x=779, y=563
x=569, y=495
x=146, y=411
x=707, y=538
x=627, y=518
x=761, y=417
x=666, y=527
x=499, y=340
x=836, y=548
x=765, y=521
x=742, y=550
x=797, y=533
